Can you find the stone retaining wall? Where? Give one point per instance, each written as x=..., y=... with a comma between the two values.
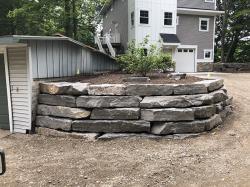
x=156, y=109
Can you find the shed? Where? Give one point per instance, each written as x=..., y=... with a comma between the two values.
x=26, y=60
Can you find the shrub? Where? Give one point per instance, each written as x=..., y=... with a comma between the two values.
x=141, y=59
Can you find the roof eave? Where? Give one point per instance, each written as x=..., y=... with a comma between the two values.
x=191, y=11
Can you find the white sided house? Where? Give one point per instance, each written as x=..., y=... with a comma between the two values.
x=27, y=60
x=183, y=28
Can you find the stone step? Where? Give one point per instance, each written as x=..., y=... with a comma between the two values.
x=57, y=100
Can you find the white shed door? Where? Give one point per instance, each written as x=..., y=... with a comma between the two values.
x=20, y=89
x=185, y=60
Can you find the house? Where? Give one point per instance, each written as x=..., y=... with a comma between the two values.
x=25, y=61
x=185, y=28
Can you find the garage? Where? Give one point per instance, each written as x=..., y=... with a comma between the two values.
x=4, y=114
x=185, y=60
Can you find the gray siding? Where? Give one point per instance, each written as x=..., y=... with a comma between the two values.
x=189, y=34
x=51, y=59
x=197, y=4
x=118, y=14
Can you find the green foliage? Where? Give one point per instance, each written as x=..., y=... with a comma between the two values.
x=143, y=58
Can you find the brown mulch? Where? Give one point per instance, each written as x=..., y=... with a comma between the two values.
x=118, y=78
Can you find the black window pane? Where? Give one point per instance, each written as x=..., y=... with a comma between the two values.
x=168, y=15
x=144, y=13
x=144, y=20
x=167, y=22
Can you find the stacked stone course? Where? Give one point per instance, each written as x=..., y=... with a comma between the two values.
x=154, y=109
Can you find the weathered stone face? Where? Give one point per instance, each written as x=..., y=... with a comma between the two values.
x=165, y=128
x=219, y=96
x=204, y=112
x=149, y=89
x=108, y=101
x=212, y=85
x=57, y=100
x=176, y=101
x=110, y=126
x=54, y=123
x=64, y=88
x=190, y=89
x=107, y=89
x=60, y=111
x=116, y=114
x=171, y=114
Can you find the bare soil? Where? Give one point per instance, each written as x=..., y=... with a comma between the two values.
x=218, y=158
x=118, y=78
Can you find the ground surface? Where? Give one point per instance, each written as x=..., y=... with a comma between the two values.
x=219, y=158
x=118, y=78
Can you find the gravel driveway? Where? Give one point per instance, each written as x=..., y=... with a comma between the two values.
x=218, y=158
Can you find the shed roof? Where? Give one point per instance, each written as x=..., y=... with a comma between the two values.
x=169, y=38
x=12, y=39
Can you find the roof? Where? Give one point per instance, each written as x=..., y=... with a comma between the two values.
x=170, y=38
x=12, y=39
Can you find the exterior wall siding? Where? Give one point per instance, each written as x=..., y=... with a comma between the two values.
x=51, y=59
x=189, y=34
x=118, y=13
x=196, y=4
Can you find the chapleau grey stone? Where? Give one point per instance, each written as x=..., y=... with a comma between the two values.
x=136, y=79
x=111, y=126
x=108, y=101
x=64, y=88
x=229, y=101
x=61, y=111
x=55, y=133
x=149, y=89
x=176, y=101
x=165, y=128
x=107, y=89
x=212, y=84
x=116, y=114
x=53, y=123
x=190, y=89
x=219, y=107
x=57, y=100
x=112, y=136
x=170, y=114
x=204, y=112
x=228, y=110
x=219, y=96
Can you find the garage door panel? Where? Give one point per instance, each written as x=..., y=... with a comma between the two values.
x=185, y=60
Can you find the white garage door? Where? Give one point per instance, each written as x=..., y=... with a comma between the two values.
x=185, y=60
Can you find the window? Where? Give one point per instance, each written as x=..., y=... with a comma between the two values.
x=145, y=50
x=179, y=50
x=204, y=24
x=144, y=17
x=185, y=50
x=168, y=18
x=208, y=54
x=132, y=18
x=191, y=50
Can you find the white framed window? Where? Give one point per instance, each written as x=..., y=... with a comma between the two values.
x=209, y=1
x=144, y=17
x=168, y=18
x=208, y=53
x=132, y=18
x=204, y=24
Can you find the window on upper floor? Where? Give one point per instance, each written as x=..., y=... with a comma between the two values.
x=168, y=18
x=209, y=1
x=132, y=18
x=144, y=17
x=204, y=24
x=208, y=54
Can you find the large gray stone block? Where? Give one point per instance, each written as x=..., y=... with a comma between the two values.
x=107, y=89
x=190, y=89
x=170, y=114
x=219, y=96
x=149, y=89
x=176, y=101
x=60, y=111
x=165, y=128
x=204, y=112
x=64, y=88
x=212, y=85
x=108, y=101
x=111, y=126
x=116, y=114
x=54, y=123
x=57, y=100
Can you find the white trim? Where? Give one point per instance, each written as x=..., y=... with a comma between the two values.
x=211, y=54
x=166, y=11
x=149, y=14
x=209, y=1
x=204, y=19
x=199, y=12
x=214, y=38
x=30, y=81
x=8, y=89
x=204, y=60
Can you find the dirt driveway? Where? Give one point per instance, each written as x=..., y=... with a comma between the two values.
x=219, y=158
